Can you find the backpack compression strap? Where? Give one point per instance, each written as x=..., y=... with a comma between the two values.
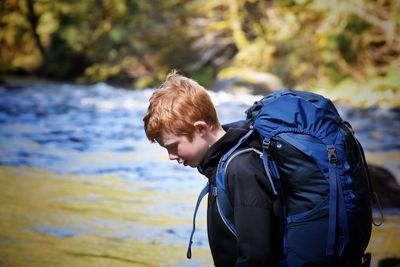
x=336, y=202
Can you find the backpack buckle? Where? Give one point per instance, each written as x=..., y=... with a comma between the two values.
x=266, y=144
x=332, y=154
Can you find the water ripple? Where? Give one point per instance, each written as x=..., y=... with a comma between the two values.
x=62, y=127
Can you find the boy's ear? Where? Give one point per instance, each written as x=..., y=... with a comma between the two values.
x=201, y=127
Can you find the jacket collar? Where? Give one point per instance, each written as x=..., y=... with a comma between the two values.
x=211, y=159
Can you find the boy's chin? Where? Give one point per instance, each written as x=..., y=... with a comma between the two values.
x=187, y=164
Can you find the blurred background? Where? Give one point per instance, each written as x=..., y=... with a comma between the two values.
x=80, y=183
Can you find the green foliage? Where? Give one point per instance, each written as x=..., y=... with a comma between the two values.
x=375, y=91
x=204, y=76
x=306, y=43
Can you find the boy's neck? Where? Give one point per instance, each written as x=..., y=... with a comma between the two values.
x=216, y=135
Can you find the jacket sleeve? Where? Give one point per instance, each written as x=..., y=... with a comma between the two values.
x=250, y=195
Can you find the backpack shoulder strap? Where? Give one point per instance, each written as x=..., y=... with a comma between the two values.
x=220, y=174
x=224, y=205
x=215, y=191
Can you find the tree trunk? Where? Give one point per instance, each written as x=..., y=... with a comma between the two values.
x=33, y=19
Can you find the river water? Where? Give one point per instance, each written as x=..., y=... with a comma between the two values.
x=82, y=186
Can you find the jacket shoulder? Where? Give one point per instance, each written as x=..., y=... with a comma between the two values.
x=246, y=180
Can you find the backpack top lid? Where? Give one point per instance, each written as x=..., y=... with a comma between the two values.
x=295, y=111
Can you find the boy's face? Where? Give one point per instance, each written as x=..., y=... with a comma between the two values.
x=182, y=150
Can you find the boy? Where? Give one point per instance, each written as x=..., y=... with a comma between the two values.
x=182, y=119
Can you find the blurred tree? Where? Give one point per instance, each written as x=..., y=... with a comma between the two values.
x=16, y=40
x=306, y=43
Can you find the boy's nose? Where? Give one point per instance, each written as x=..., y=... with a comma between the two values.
x=172, y=156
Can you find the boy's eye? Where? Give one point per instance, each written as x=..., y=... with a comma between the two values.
x=172, y=148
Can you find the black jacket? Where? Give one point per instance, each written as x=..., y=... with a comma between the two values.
x=251, y=198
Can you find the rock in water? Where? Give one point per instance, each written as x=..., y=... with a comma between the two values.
x=385, y=185
x=248, y=82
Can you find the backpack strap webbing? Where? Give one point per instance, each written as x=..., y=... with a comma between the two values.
x=373, y=194
x=203, y=192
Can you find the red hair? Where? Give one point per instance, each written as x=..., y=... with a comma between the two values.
x=176, y=105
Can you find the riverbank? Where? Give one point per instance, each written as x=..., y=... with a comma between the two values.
x=50, y=219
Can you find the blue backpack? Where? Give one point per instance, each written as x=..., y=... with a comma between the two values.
x=317, y=170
